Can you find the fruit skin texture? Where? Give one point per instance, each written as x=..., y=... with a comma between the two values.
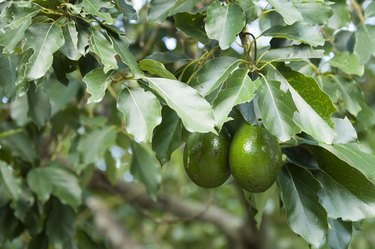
x=206, y=158
x=255, y=158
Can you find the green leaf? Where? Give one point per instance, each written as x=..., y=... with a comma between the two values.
x=314, y=12
x=237, y=89
x=260, y=201
x=346, y=193
x=341, y=15
x=192, y=25
x=287, y=10
x=130, y=14
x=250, y=9
x=349, y=63
x=370, y=10
x=354, y=156
x=277, y=110
x=40, y=182
x=306, y=216
x=224, y=22
x=293, y=53
x=65, y=184
x=60, y=227
x=364, y=44
x=146, y=168
x=194, y=111
x=14, y=29
x=103, y=49
x=161, y=9
x=44, y=39
x=39, y=106
x=298, y=31
x=94, y=7
x=155, y=68
x=110, y=167
x=10, y=182
x=59, y=95
x=167, y=136
x=97, y=82
x=8, y=65
x=142, y=112
x=350, y=93
x=345, y=131
x=314, y=106
x=92, y=146
x=213, y=74
x=70, y=48
x=339, y=234
x=20, y=145
x=168, y=57
x=121, y=46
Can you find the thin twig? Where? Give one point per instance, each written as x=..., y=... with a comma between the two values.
x=357, y=9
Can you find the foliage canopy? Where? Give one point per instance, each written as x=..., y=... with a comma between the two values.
x=93, y=87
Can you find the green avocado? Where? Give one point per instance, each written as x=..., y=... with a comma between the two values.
x=255, y=158
x=206, y=158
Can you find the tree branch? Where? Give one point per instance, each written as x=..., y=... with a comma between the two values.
x=106, y=223
x=184, y=209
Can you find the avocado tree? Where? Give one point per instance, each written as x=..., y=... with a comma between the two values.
x=99, y=98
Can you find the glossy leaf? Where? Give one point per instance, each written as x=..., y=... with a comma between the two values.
x=8, y=65
x=349, y=63
x=237, y=89
x=298, y=31
x=44, y=39
x=95, y=7
x=277, y=110
x=167, y=136
x=224, y=22
x=142, y=112
x=92, y=146
x=194, y=111
x=96, y=84
x=130, y=14
x=155, y=68
x=287, y=10
x=339, y=234
x=314, y=12
x=192, y=25
x=39, y=106
x=70, y=48
x=314, y=106
x=9, y=181
x=294, y=53
x=354, y=156
x=345, y=131
x=160, y=9
x=306, y=216
x=103, y=49
x=121, y=46
x=146, y=168
x=13, y=30
x=341, y=194
x=213, y=74
x=249, y=8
